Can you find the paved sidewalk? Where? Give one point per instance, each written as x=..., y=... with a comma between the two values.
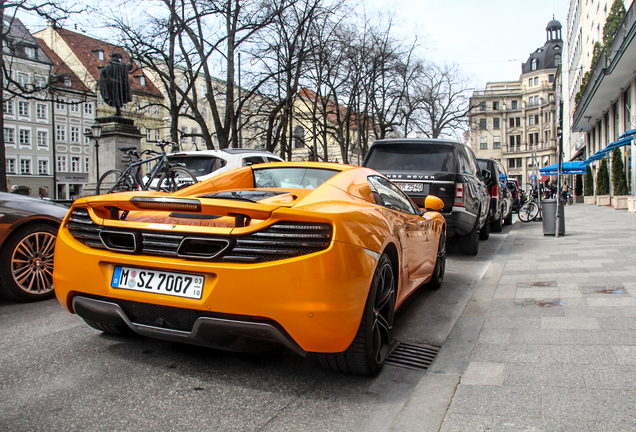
x=548, y=340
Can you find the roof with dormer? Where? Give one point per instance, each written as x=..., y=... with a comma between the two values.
x=87, y=49
x=60, y=71
x=549, y=55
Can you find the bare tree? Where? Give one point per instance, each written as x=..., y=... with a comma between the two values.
x=444, y=102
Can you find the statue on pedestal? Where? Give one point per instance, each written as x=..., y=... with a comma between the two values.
x=114, y=83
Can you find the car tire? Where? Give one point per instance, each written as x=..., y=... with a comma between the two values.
x=440, y=264
x=497, y=225
x=26, y=263
x=111, y=329
x=484, y=232
x=370, y=347
x=469, y=243
x=508, y=220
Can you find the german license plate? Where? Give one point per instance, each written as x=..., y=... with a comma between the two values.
x=158, y=282
x=411, y=187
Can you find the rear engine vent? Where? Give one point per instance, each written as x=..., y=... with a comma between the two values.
x=279, y=241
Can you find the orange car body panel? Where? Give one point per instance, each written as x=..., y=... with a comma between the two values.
x=317, y=298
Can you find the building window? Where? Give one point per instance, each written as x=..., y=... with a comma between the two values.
x=496, y=143
x=75, y=134
x=141, y=80
x=100, y=100
x=40, y=111
x=496, y=123
x=88, y=108
x=482, y=106
x=11, y=166
x=25, y=166
x=530, y=101
x=23, y=79
x=157, y=110
x=43, y=139
x=531, y=120
x=529, y=82
x=511, y=163
x=99, y=54
x=23, y=108
x=76, y=164
x=551, y=78
x=30, y=52
x=40, y=81
x=25, y=138
x=60, y=105
x=60, y=133
x=7, y=107
x=534, y=64
x=74, y=107
x=87, y=132
x=87, y=164
x=536, y=100
x=9, y=137
x=518, y=121
x=514, y=104
x=148, y=135
x=511, y=122
x=195, y=131
x=61, y=163
x=536, y=81
x=43, y=167
x=184, y=131
x=482, y=123
x=495, y=106
x=157, y=135
x=483, y=144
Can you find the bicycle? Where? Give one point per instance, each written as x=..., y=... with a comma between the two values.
x=163, y=176
x=530, y=209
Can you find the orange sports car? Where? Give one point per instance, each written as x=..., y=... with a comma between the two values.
x=313, y=256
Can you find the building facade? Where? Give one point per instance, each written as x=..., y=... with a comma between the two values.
x=605, y=115
x=515, y=121
x=27, y=112
x=586, y=19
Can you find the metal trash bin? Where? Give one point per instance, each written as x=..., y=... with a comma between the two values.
x=548, y=210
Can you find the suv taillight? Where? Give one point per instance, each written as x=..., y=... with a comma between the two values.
x=495, y=191
x=459, y=194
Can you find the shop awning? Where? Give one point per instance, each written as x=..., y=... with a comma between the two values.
x=575, y=167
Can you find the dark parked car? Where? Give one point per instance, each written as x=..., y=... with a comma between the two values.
x=517, y=194
x=500, y=197
x=28, y=230
x=445, y=169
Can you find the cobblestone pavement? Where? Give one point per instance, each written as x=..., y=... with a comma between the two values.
x=548, y=340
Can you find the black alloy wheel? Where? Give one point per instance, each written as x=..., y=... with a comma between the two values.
x=440, y=264
x=370, y=347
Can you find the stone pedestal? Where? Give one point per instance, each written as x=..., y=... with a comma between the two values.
x=117, y=132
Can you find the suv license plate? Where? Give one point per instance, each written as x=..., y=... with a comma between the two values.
x=411, y=187
x=159, y=282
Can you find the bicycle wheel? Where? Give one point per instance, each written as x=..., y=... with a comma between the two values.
x=176, y=178
x=528, y=211
x=112, y=182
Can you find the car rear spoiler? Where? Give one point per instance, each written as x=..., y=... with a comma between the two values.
x=117, y=207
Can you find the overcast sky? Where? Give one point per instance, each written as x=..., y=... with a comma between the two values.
x=489, y=39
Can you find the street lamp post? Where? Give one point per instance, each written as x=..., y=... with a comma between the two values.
x=96, y=130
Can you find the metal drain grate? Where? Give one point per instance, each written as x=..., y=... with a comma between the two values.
x=411, y=356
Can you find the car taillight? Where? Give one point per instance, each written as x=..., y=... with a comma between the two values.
x=495, y=191
x=459, y=194
x=459, y=190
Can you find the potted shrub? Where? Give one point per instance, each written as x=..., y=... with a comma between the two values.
x=578, y=188
x=602, y=184
x=589, y=186
x=619, y=181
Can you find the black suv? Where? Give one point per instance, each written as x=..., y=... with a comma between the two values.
x=445, y=169
x=501, y=198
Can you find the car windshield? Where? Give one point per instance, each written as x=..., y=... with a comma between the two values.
x=300, y=178
x=413, y=157
x=199, y=165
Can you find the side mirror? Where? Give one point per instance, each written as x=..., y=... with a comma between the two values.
x=486, y=174
x=433, y=203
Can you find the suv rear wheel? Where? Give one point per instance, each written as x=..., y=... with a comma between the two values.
x=469, y=243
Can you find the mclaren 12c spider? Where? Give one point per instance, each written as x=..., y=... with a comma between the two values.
x=312, y=256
